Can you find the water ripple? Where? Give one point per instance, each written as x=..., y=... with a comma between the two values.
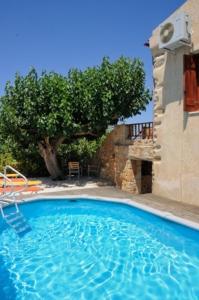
x=84, y=256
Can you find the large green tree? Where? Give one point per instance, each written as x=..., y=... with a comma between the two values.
x=48, y=109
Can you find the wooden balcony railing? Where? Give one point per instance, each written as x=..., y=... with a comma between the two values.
x=140, y=131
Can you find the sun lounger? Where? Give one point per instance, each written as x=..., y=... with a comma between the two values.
x=18, y=188
x=19, y=182
x=11, y=175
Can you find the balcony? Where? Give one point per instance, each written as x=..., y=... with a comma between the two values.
x=140, y=131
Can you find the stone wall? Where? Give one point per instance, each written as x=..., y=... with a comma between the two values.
x=121, y=159
x=128, y=173
x=107, y=152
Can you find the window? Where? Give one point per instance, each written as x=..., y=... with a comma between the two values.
x=191, y=83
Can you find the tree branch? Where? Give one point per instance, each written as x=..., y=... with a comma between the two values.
x=59, y=141
x=41, y=148
x=86, y=133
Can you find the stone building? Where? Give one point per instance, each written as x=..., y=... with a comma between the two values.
x=176, y=108
x=168, y=148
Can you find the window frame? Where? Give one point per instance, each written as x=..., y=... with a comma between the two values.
x=191, y=83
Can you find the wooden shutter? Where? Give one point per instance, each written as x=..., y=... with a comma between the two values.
x=191, y=82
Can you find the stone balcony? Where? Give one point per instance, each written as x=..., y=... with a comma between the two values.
x=135, y=141
x=139, y=138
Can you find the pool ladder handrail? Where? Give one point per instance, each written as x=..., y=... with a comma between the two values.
x=7, y=195
x=11, y=195
x=16, y=219
x=19, y=175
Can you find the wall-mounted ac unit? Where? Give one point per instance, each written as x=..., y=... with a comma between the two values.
x=175, y=32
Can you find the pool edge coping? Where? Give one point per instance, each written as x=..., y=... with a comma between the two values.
x=163, y=214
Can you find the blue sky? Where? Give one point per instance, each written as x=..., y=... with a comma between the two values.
x=61, y=34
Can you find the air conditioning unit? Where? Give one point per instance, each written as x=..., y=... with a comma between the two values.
x=175, y=32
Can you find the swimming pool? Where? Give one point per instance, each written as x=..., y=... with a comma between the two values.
x=87, y=249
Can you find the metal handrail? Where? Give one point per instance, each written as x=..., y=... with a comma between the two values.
x=4, y=186
x=138, y=130
x=7, y=194
x=18, y=173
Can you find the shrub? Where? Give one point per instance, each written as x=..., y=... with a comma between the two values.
x=82, y=150
x=7, y=159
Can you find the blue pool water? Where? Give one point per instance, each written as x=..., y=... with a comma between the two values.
x=88, y=249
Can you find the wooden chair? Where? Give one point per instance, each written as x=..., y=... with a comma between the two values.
x=73, y=168
x=93, y=169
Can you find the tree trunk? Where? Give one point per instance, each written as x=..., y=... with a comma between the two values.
x=49, y=154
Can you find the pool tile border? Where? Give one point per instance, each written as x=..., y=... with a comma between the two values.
x=163, y=214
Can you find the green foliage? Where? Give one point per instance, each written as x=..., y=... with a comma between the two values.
x=100, y=95
x=27, y=161
x=34, y=108
x=6, y=157
x=81, y=150
x=40, y=112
